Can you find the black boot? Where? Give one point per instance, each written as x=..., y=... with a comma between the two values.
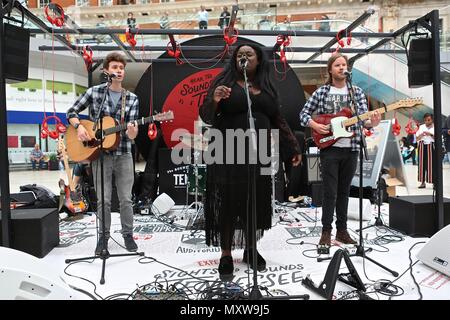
x=248, y=258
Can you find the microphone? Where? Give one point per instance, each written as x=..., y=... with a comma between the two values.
x=109, y=76
x=348, y=73
x=243, y=62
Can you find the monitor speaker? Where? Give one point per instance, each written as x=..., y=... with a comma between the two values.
x=25, y=277
x=419, y=63
x=435, y=253
x=16, y=54
x=162, y=204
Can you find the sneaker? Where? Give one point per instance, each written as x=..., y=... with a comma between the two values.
x=422, y=186
x=248, y=258
x=226, y=268
x=325, y=239
x=98, y=249
x=343, y=237
x=129, y=243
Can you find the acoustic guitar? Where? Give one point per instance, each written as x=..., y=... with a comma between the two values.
x=73, y=197
x=338, y=122
x=90, y=150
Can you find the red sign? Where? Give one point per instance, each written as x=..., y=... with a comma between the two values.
x=184, y=100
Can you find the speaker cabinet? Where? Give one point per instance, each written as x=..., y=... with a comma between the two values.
x=16, y=54
x=415, y=215
x=312, y=169
x=34, y=231
x=419, y=63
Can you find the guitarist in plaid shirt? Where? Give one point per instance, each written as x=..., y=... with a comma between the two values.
x=119, y=161
x=338, y=162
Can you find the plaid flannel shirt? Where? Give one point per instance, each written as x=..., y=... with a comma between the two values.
x=93, y=97
x=316, y=104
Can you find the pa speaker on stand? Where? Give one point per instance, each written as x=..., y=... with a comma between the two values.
x=419, y=63
x=16, y=53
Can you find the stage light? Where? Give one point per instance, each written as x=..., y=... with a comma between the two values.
x=25, y=277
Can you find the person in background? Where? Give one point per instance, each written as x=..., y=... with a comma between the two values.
x=425, y=138
x=131, y=21
x=37, y=156
x=265, y=23
x=406, y=149
x=224, y=19
x=203, y=18
x=446, y=130
x=164, y=23
x=412, y=142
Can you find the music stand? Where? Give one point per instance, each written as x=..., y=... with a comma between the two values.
x=360, y=251
x=104, y=253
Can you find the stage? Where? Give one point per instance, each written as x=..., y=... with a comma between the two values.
x=178, y=258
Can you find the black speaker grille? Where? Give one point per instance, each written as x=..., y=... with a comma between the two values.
x=419, y=63
x=17, y=50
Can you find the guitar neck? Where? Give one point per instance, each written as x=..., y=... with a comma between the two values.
x=121, y=127
x=367, y=115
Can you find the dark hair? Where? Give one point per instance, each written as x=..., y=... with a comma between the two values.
x=426, y=115
x=231, y=73
x=330, y=62
x=114, y=56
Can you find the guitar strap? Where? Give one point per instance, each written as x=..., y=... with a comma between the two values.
x=122, y=111
x=124, y=101
x=352, y=105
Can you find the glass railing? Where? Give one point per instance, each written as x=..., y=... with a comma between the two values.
x=250, y=19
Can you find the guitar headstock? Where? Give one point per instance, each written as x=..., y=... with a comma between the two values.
x=61, y=145
x=409, y=103
x=164, y=116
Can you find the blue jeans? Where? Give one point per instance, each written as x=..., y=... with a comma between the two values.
x=122, y=167
x=33, y=164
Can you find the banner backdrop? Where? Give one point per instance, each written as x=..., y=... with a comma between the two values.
x=182, y=88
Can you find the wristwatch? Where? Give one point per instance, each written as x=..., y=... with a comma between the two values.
x=76, y=125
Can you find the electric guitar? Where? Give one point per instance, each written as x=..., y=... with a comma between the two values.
x=73, y=197
x=338, y=122
x=90, y=150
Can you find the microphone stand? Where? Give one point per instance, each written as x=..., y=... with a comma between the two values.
x=255, y=293
x=104, y=253
x=360, y=251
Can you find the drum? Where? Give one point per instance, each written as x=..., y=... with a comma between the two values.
x=197, y=179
